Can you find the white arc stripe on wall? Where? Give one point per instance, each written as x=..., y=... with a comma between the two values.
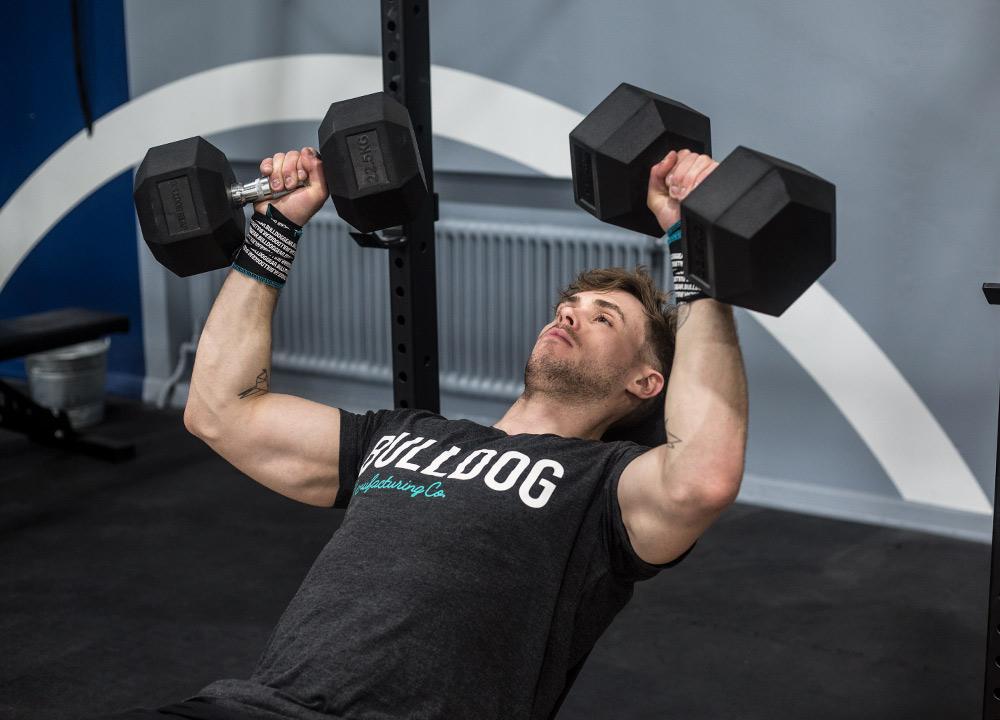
x=877, y=400
x=845, y=362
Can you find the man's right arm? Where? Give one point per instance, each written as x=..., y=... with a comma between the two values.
x=288, y=444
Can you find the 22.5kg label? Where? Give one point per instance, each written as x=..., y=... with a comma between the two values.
x=366, y=158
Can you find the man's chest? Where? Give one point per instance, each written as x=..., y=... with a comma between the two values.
x=479, y=493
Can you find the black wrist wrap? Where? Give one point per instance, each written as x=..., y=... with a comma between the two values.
x=269, y=248
x=684, y=289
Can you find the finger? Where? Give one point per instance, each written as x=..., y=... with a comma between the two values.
x=658, y=173
x=667, y=163
x=675, y=179
x=681, y=155
x=704, y=174
x=289, y=169
x=313, y=166
x=300, y=168
x=266, y=167
x=275, y=177
x=687, y=181
x=684, y=159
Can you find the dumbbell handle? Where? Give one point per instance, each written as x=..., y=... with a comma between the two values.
x=255, y=191
x=259, y=189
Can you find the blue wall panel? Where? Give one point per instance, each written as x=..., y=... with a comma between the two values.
x=89, y=258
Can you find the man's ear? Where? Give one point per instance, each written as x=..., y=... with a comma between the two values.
x=646, y=382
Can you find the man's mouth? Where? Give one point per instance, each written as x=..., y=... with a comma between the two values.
x=561, y=334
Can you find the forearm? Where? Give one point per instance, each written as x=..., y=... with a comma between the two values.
x=233, y=362
x=706, y=402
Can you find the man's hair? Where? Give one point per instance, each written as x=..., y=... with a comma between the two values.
x=661, y=320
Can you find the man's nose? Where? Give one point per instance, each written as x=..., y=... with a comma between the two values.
x=567, y=316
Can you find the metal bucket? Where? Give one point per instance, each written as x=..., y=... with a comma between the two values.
x=72, y=379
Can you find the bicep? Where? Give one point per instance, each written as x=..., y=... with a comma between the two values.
x=662, y=519
x=288, y=444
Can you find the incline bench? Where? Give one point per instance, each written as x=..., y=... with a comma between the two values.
x=29, y=334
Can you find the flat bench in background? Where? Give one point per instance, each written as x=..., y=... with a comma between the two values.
x=39, y=332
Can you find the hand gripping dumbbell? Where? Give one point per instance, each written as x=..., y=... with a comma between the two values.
x=190, y=206
x=756, y=233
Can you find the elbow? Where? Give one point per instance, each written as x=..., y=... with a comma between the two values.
x=190, y=417
x=722, y=477
x=207, y=416
x=710, y=484
x=193, y=422
x=721, y=491
x=714, y=489
x=703, y=494
x=199, y=421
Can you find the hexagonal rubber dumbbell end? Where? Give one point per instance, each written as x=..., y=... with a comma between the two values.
x=371, y=162
x=181, y=196
x=759, y=231
x=613, y=148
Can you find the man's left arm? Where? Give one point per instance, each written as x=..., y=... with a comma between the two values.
x=671, y=494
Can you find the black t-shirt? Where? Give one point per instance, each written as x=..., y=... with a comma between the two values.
x=471, y=576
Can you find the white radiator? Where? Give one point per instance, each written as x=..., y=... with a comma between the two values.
x=496, y=282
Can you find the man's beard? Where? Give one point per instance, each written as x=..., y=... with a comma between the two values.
x=569, y=382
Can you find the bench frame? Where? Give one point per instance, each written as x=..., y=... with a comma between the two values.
x=46, y=331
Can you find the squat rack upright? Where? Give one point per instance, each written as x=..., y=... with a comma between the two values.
x=406, y=75
x=991, y=689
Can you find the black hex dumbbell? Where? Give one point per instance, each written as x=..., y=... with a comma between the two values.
x=190, y=206
x=373, y=168
x=756, y=233
x=614, y=147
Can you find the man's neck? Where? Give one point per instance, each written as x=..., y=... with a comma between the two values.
x=539, y=414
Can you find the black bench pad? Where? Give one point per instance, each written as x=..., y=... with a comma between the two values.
x=56, y=328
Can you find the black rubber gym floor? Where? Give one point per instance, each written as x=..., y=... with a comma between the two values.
x=136, y=584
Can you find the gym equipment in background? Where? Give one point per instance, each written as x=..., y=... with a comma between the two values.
x=991, y=684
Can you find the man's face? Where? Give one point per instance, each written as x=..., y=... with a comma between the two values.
x=589, y=348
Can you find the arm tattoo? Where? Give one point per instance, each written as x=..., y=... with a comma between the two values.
x=683, y=310
x=672, y=440
x=260, y=387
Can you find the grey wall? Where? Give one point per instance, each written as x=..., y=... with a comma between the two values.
x=895, y=102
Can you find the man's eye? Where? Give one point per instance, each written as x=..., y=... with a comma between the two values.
x=604, y=318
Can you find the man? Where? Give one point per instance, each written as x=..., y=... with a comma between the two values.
x=475, y=566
